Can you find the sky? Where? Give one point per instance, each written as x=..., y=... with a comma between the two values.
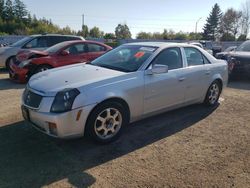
x=139, y=15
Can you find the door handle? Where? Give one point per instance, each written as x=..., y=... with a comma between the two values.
x=208, y=72
x=182, y=79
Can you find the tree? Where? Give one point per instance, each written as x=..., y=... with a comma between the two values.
x=242, y=38
x=20, y=10
x=245, y=19
x=2, y=9
x=144, y=35
x=109, y=36
x=95, y=32
x=8, y=11
x=85, y=31
x=230, y=23
x=227, y=37
x=122, y=32
x=211, y=28
x=181, y=36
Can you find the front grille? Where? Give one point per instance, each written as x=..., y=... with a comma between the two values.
x=31, y=99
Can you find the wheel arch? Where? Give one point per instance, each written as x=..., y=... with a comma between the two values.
x=8, y=59
x=111, y=99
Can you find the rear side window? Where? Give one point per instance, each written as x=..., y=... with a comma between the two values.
x=52, y=40
x=194, y=57
x=96, y=48
x=170, y=57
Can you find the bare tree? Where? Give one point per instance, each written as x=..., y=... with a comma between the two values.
x=230, y=22
x=245, y=19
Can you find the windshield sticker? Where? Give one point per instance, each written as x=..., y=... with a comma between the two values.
x=147, y=49
x=139, y=54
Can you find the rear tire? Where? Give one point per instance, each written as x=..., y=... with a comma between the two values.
x=106, y=122
x=213, y=93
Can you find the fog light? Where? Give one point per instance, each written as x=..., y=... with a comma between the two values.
x=52, y=128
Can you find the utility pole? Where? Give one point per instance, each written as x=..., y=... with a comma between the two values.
x=197, y=24
x=82, y=20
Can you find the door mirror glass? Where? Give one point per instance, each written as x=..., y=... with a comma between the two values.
x=159, y=69
x=65, y=53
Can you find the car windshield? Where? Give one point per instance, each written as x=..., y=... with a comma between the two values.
x=126, y=58
x=21, y=42
x=245, y=47
x=55, y=48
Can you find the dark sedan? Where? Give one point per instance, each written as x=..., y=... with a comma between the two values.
x=239, y=61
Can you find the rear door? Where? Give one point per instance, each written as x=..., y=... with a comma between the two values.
x=197, y=74
x=95, y=50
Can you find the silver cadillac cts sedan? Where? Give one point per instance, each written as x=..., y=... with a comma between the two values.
x=127, y=84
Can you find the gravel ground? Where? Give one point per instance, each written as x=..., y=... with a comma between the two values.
x=190, y=147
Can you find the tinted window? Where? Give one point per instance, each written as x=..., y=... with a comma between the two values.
x=245, y=47
x=170, y=57
x=52, y=40
x=95, y=48
x=21, y=42
x=39, y=42
x=194, y=57
x=77, y=49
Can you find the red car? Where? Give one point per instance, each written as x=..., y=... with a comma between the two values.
x=31, y=62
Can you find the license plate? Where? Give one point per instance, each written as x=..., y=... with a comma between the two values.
x=25, y=113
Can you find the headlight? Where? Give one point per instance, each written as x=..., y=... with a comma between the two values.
x=64, y=100
x=24, y=63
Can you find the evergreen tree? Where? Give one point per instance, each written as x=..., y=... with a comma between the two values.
x=211, y=28
x=20, y=10
x=2, y=9
x=8, y=11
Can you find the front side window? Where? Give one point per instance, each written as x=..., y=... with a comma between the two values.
x=194, y=57
x=170, y=57
x=40, y=42
x=77, y=49
x=126, y=58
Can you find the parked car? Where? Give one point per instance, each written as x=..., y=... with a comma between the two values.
x=131, y=82
x=31, y=62
x=201, y=46
x=211, y=47
x=222, y=55
x=239, y=61
x=37, y=42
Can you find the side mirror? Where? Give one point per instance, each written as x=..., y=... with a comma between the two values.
x=158, y=69
x=65, y=53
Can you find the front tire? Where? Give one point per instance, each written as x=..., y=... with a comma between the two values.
x=213, y=94
x=106, y=122
x=11, y=59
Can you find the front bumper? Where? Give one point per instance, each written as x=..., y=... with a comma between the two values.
x=18, y=74
x=68, y=124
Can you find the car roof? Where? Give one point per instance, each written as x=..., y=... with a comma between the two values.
x=160, y=44
x=39, y=35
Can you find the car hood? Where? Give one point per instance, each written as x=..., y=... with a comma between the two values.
x=48, y=83
x=4, y=49
x=29, y=54
x=240, y=54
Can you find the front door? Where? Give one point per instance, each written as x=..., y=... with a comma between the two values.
x=166, y=89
